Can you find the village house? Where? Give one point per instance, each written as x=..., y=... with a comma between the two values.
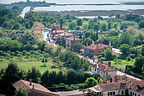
x=57, y=32
x=71, y=41
x=55, y=26
x=96, y=49
x=120, y=83
x=104, y=70
x=64, y=35
x=126, y=86
x=33, y=89
x=124, y=16
x=109, y=89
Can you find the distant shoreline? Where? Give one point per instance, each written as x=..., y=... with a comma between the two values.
x=92, y=12
x=134, y=3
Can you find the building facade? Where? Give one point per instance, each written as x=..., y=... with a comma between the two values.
x=125, y=87
x=104, y=70
x=71, y=41
x=97, y=49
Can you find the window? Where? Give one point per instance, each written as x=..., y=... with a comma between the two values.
x=99, y=93
x=135, y=94
x=111, y=93
x=122, y=92
x=131, y=93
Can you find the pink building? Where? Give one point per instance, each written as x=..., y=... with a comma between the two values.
x=97, y=49
x=71, y=41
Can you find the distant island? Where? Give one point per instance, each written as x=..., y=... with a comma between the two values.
x=134, y=3
x=22, y=4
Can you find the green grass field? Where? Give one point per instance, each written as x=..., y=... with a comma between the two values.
x=122, y=64
x=26, y=65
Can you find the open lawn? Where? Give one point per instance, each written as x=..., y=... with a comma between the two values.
x=26, y=65
x=121, y=64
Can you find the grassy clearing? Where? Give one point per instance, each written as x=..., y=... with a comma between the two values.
x=28, y=64
x=122, y=63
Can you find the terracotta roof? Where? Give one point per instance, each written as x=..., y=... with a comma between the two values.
x=104, y=67
x=95, y=46
x=72, y=39
x=37, y=87
x=64, y=34
x=137, y=85
x=112, y=86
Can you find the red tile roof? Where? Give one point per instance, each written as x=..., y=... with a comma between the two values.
x=135, y=85
x=72, y=39
x=104, y=67
x=64, y=34
x=97, y=46
x=37, y=87
x=112, y=86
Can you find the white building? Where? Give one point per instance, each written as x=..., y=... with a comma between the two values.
x=125, y=87
x=121, y=84
x=104, y=69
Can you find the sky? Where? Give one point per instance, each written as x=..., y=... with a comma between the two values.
x=74, y=1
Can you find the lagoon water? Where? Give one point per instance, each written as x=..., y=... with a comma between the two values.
x=89, y=7
x=82, y=7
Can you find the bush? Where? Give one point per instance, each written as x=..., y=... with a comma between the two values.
x=91, y=82
x=21, y=92
x=132, y=56
x=68, y=88
x=128, y=58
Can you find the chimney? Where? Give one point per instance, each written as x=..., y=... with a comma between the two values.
x=74, y=36
x=30, y=80
x=109, y=44
x=33, y=86
x=65, y=34
x=86, y=43
x=109, y=64
x=115, y=78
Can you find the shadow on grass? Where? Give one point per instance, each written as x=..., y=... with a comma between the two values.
x=43, y=66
